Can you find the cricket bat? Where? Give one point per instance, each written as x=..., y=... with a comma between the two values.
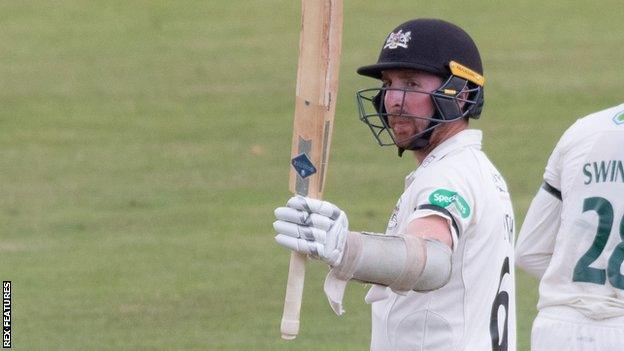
x=315, y=105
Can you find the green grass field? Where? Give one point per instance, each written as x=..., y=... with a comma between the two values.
x=145, y=144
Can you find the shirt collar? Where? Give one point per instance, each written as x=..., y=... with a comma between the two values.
x=465, y=138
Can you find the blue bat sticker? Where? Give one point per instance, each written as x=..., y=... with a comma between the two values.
x=303, y=165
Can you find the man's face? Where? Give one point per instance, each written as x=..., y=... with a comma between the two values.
x=403, y=106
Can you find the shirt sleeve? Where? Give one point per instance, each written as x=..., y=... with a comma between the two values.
x=536, y=241
x=554, y=167
x=448, y=197
x=539, y=230
x=552, y=174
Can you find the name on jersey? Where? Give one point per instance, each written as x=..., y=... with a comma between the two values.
x=604, y=171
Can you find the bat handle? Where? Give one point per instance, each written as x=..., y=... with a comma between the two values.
x=294, y=293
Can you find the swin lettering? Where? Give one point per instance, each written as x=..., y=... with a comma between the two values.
x=604, y=171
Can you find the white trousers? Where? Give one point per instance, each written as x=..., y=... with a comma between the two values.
x=565, y=329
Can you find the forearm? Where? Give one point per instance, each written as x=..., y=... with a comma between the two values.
x=409, y=262
x=537, y=237
x=401, y=262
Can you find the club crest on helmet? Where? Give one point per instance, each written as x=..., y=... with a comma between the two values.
x=398, y=39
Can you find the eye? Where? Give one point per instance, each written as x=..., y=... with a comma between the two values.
x=412, y=84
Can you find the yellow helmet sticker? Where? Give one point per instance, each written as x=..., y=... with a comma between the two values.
x=466, y=73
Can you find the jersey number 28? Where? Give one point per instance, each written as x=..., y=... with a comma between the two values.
x=582, y=271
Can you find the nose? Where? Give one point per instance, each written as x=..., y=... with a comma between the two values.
x=393, y=100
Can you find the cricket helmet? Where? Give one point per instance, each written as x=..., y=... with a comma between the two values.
x=437, y=47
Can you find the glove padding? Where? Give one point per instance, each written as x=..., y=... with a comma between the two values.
x=312, y=227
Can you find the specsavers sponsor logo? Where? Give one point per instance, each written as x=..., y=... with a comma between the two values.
x=445, y=198
x=619, y=118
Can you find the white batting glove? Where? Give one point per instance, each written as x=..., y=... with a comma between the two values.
x=312, y=227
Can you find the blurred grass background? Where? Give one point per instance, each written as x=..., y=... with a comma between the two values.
x=144, y=145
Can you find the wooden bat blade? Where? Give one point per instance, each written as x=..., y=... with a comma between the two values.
x=315, y=105
x=317, y=87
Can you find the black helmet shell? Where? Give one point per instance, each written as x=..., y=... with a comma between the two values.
x=428, y=45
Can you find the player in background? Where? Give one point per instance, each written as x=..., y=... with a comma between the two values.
x=572, y=239
x=443, y=273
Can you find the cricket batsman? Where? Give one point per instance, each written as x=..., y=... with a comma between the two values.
x=442, y=274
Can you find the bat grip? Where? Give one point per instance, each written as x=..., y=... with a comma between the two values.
x=294, y=294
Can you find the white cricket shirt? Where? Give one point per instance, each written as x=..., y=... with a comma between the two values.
x=584, y=252
x=476, y=308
